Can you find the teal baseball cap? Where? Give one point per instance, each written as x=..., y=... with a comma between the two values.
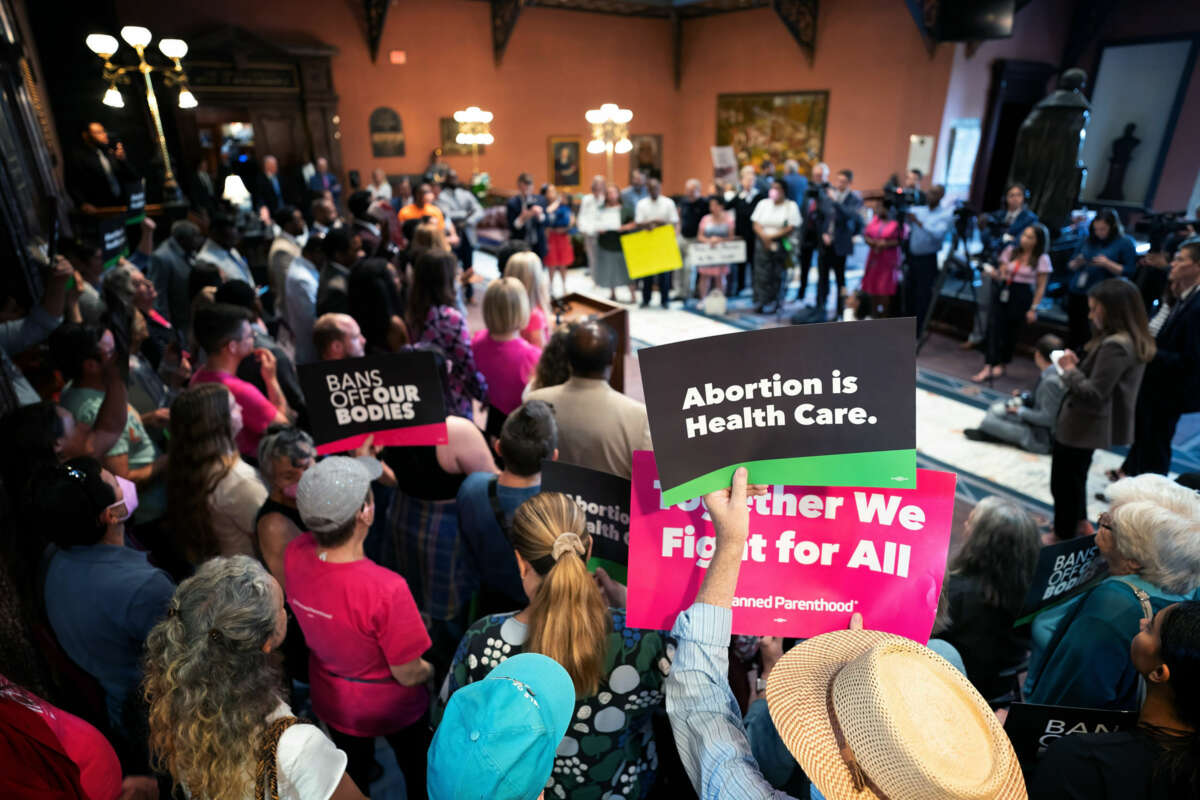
x=498, y=736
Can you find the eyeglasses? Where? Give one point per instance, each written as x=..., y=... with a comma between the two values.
x=1105, y=520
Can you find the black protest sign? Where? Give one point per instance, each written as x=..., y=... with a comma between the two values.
x=806, y=405
x=112, y=240
x=604, y=498
x=396, y=398
x=135, y=201
x=1033, y=728
x=1064, y=570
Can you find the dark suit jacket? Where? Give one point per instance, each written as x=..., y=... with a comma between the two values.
x=1173, y=378
x=993, y=237
x=249, y=371
x=845, y=223
x=264, y=193
x=317, y=185
x=536, y=233
x=1098, y=410
x=88, y=183
x=333, y=290
x=744, y=207
x=169, y=270
x=814, y=216
x=371, y=243
x=204, y=195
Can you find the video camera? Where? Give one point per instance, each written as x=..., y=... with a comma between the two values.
x=1157, y=228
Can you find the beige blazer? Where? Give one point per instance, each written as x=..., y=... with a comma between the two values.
x=598, y=427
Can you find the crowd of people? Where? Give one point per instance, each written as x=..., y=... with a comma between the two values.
x=200, y=603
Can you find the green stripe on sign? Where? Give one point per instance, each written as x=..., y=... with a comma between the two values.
x=618, y=572
x=896, y=469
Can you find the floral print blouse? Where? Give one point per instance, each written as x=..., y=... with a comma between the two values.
x=609, y=749
x=446, y=329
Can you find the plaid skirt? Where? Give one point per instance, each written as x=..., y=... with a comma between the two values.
x=424, y=534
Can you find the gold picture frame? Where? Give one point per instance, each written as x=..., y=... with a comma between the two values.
x=563, y=157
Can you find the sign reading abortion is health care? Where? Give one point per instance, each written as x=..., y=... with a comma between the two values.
x=815, y=556
x=396, y=398
x=604, y=498
x=827, y=405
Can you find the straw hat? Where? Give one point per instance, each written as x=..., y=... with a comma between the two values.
x=872, y=716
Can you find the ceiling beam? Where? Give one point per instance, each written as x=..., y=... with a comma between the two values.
x=376, y=16
x=504, y=21
x=800, y=18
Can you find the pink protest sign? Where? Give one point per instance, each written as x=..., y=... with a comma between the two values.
x=815, y=555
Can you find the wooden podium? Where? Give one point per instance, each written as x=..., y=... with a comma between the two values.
x=576, y=307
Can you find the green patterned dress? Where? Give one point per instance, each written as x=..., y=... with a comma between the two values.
x=609, y=750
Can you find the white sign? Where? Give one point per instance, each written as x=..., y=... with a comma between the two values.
x=724, y=162
x=920, y=153
x=704, y=255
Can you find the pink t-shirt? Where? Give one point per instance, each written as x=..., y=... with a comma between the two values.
x=1023, y=273
x=508, y=366
x=358, y=618
x=537, y=324
x=257, y=410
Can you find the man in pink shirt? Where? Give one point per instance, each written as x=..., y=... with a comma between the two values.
x=224, y=332
x=364, y=633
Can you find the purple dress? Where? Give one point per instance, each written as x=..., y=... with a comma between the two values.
x=446, y=329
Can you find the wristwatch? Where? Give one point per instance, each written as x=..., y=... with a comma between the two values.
x=760, y=685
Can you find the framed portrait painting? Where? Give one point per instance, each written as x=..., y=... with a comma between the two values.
x=646, y=155
x=563, y=156
x=774, y=127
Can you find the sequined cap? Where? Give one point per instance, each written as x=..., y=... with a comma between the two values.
x=331, y=492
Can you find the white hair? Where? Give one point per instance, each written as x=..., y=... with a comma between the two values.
x=791, y=166
x=748, y=170
x=1165, y=543
x=1157, y=489
x=692, y=182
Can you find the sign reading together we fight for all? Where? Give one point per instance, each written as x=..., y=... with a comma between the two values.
x=395, y=398
x=815, y=555
x=831, y=405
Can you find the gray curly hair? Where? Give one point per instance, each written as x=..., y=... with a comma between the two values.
x=209, y=683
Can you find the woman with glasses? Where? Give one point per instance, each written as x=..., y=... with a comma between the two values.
x=1151, y=541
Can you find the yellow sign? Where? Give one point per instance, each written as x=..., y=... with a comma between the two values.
x=651, y=252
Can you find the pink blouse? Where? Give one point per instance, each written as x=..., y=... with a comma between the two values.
x=1024, y=273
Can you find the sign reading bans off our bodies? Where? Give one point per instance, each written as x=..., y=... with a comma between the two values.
x=829, y=405
x=815, y=555
x=604, y=498
x=396, y=398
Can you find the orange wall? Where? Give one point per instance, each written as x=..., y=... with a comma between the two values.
x=883, y=86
